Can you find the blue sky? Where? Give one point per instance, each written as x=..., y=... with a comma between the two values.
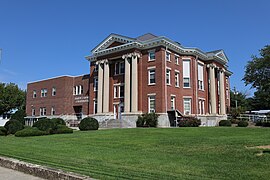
x=42, y=39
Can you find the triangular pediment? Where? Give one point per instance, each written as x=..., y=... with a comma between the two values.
x=222, y=55
x=112, y=40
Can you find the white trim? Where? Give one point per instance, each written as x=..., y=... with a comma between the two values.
x=149, y=75
x=151, y=94
x=187, y=97
x=151, y=67
x=55, y=77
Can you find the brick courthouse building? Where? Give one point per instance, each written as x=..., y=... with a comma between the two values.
x=131, y=76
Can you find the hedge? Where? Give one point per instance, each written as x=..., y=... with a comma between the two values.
x=62, y=129
x=30, y=131
x=190, y=122
x=12, y=126
x=45, y=125
x=147, y=120
x=3, y=131
x=88, y=123
x=242, y=124
x=58, y=121
x=225, y=123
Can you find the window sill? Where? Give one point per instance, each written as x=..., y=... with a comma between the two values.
x=151, y=60
x=152, y=84
x=187, y=87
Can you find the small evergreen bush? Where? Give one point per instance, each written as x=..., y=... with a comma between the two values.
x=258, y=123
x=3, y=131
x=242, y=124
x=30, y=131
x=19, y=116
x=225, y=123
x=88, y=123
x=45, y=125
x=62, y=129
x=58, y=121
x=12, y=126
x=234, y=121
x=266, y=124
x=147, y=120
x=189, y=122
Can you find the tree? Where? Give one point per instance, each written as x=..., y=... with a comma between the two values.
x=11, y=97
x=257, y=74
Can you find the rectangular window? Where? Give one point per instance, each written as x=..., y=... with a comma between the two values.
x=168, y=56
x=200, y=77
x=96, y=68
x=186, y=73
x=42, y=111
x=81, y=89
x=176, y=79
x=119, y=68
x=173, y=102
x=151, y=55
x=34, y=94
x=176, y=59
x=227, y=94
x=53, y=91
x=53, y=111
x=119, y=91
x=44, y=92
x=151, y=103
x=168, y=76
x=151, y=76
x=187, y=106
x=95, y=107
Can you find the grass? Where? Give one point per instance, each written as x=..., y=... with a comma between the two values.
x=176, y=153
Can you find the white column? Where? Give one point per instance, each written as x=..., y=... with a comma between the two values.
x=213, y=89
x=134, y=85
x=106, y=86
x=127, y=84
x=222, y=93
x=100, y=89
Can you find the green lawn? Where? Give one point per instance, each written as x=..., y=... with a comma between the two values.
x=176, y=153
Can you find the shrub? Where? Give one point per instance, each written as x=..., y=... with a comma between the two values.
x=88, y=123
x=62, y=129
x=234, y=121
x=45, y=125
x=242, y=124
x=147, y=120
x=13, y=126
x=58, y=121
x=225, y=123
x=189, y=122
x=140, y=122
x=3, y=131
x=266, y=124
x=258, y=123
x=30, y=131
x=19, y=116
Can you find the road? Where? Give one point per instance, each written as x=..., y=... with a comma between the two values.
x=9, y=174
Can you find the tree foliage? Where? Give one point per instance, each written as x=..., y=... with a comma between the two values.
x=257, y=74
x=11, y=97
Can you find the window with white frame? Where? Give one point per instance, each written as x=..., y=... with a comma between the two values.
x=151, y=103
x=42, y=111
x=200, y=77
x=44, y=92
x=78, y=90
x=53, y=111
x=119, y=90
x=173, y=102
x=151, y=55
x=34, y=94
x=95, y=84
x=176, y=59
x=227, y=93
x=151, y=76
x=53, y=91
x=168, y=76
x=168, y=56
x=177, y=79
x=33, y=112
x=186, y=73
x=119, y=68
x=187, y=106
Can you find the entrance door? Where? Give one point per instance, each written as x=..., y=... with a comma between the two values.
x=120, y=110
x=78, y=112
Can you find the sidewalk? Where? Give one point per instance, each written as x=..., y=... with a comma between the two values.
x=9, y=174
